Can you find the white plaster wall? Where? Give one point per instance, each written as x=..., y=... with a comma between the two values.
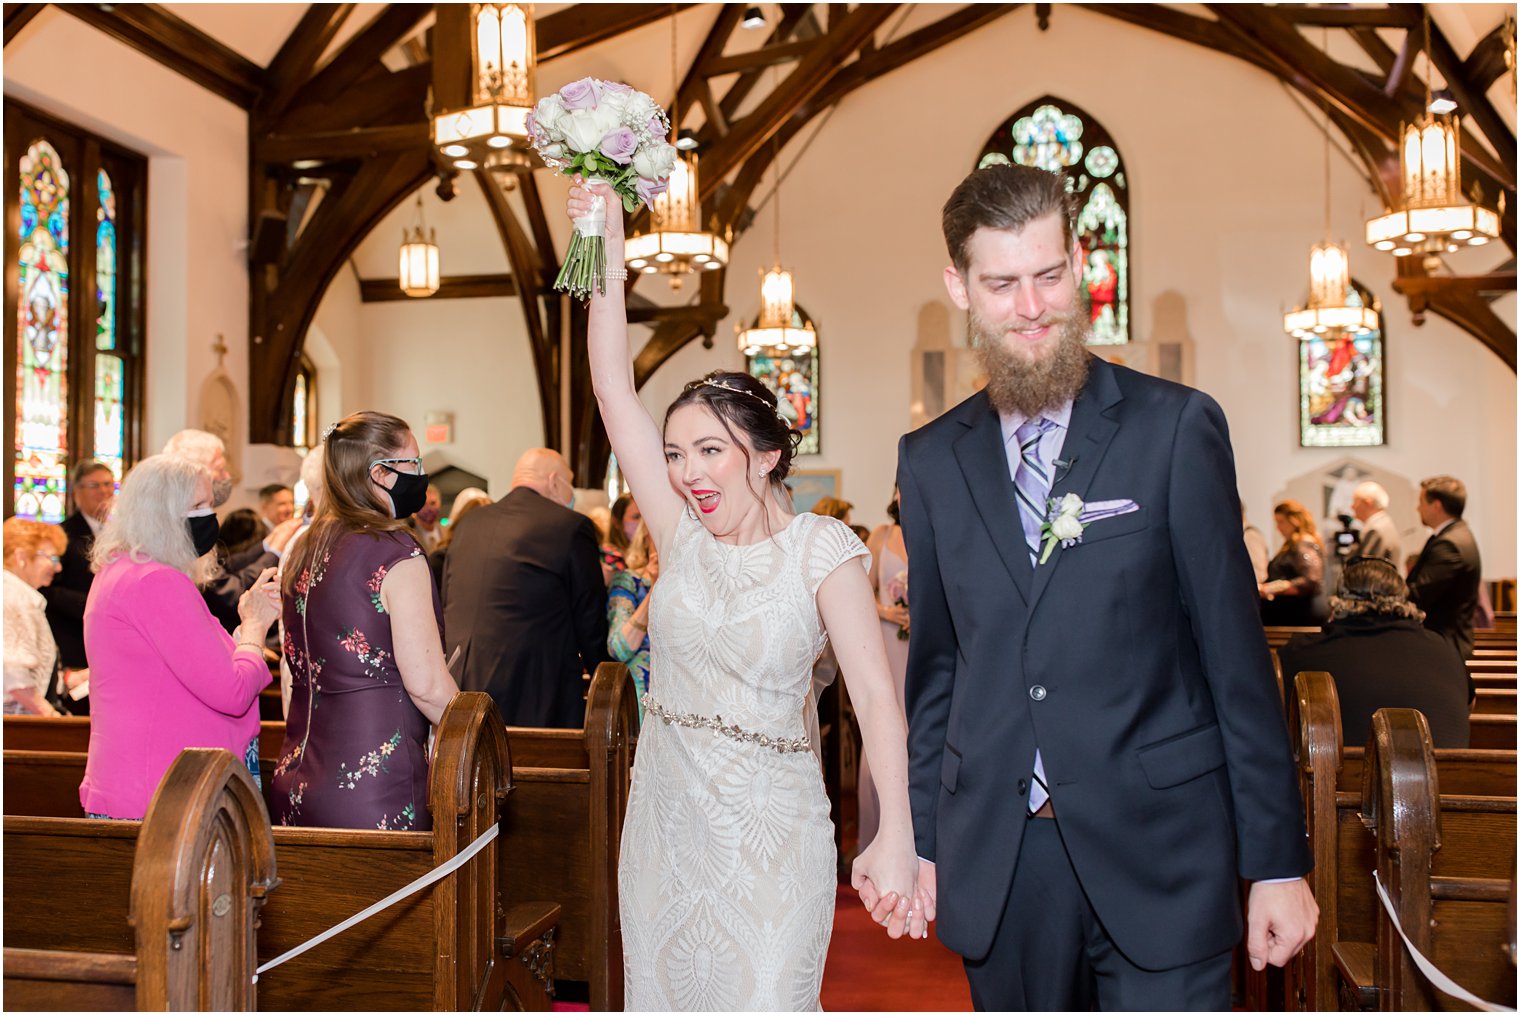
x=197, y=198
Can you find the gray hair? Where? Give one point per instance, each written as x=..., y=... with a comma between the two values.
x=311, y=475
x=148, y=522
x=1373, y=493
x=196, y=445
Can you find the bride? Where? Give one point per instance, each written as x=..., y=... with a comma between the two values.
x=727, y=872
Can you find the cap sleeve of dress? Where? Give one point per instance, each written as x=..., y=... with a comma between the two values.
x=826, y=544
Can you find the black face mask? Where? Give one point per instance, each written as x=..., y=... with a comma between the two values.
x=203, y=532
x=409, y=494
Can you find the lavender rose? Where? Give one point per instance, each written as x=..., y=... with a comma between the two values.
x=582, y=94
x=657, y=128
x=620, y=145
x=648, y=190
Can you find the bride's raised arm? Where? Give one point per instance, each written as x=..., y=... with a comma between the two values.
x=635, y=437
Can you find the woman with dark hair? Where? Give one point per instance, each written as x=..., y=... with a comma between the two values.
x=1381, y=656
x=363, y=639
x=1294, y=593
x=726, y=791
x=240, y=530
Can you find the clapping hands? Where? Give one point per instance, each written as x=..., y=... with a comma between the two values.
x=896, y=887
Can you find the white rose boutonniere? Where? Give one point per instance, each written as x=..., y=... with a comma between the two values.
x=1069, y=517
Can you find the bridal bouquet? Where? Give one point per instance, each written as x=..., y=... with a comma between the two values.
x=897, y=588
x=606, y=132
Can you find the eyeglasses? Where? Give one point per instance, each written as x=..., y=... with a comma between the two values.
x=57, y=560
x=415, y=463
x=95, y=486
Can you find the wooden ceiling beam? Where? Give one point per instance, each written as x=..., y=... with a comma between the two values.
x=298, y=55
x=693, y=89
x=1390, y=16
x=1461, y=304
x=673, y=332
x=794, y=17
x=581, y=25
x=17, y=17
x=810, y=75
x=163, y=36
x=1472, y=104
x=329, y=145
x=1486, y=62
x=450, y=287
x=759, y=59
x=379, y=98
x=528, y=269
x=362, y=52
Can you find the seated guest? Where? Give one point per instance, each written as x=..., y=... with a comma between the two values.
x=94, y=489
x=1293, y=594
x=628, y=609
x=277, y=504
x=32, y=558
x=1381, y=656
x=240, y=531
x=465, y=501
x=163, y=675
x=363, y=638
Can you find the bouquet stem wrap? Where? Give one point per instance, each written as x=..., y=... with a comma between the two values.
x=586, y=260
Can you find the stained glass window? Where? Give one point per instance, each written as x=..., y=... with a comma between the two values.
x=1340, y=387
x=42, y=332
x=1053, y=134
x=77, y=334
x=794, y=379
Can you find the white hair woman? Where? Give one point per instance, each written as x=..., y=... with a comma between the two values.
x=164, y=675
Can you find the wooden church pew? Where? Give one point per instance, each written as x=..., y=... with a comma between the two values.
x=1447, y=863
x=441, y=949
x=1494, y=701
x=166, y=910
x=1331, y=780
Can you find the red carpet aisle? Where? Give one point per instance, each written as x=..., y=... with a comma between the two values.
x=868, y=971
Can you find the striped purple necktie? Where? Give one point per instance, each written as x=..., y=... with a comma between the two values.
x=1031, y=481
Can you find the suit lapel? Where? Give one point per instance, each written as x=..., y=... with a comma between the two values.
x=1092, y=428
x=984, y=462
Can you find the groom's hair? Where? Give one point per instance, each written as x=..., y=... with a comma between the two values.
x=1003, y=197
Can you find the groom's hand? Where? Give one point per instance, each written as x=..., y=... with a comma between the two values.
x=1280, y=919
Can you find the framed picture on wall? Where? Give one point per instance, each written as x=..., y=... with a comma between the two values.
x=809, y=486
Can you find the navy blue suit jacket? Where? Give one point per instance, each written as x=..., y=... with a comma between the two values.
x=1134, y=660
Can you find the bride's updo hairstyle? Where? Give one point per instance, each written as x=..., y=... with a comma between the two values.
x=745, y=405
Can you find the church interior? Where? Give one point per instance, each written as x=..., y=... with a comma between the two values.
x=256, y=219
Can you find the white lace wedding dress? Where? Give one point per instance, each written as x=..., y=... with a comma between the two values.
x=727, y=872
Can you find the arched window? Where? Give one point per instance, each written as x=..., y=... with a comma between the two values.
x=75, y=334
x=794, y=379
x=303, y=407
x=1054, y=134
x=1340, y=385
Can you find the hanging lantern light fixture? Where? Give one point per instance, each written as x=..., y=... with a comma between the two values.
x=676, y=245
x=419, y=258
x=1433, y=215
x=776, y=329
x=482, y=119
x=1334, y=306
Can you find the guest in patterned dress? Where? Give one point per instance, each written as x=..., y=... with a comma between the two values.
x=363, y=640
x=628, y=609
x=164, y=674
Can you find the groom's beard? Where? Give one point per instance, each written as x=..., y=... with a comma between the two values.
x=1030, y=385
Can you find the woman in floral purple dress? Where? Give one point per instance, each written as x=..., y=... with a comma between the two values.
x=363, y=640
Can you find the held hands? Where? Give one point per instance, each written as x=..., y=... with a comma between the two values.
x=580, y=204
x=891, y=885
x=260, y=605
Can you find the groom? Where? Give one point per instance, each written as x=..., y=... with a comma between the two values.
x=1097, y=750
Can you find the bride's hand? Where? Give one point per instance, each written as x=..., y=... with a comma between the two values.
x=580, y=204
x=886, y=876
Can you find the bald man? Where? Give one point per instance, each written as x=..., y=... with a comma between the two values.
x=524, y=600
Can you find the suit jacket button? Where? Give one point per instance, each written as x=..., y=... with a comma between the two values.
x=1023, y=787
x=1037, y=692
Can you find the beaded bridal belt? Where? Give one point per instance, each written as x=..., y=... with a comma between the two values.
x=715, y=723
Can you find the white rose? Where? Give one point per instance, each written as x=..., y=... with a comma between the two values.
x=548, y=113
x=606, y=118
x=639, y=109
x=615, y=103
x=1071, y=504
x=654, y=162
x=1066, y=527
x=582, y=130
x=554, y=151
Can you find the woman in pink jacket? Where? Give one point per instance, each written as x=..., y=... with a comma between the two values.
x=164, y=675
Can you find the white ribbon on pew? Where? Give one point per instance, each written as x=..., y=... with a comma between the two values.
x=1438, y=979
x=436, y=874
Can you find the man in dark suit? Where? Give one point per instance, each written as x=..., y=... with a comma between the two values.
x=524, y=602
x=1096, y=746
x=94, y=489
x=1444, y=581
